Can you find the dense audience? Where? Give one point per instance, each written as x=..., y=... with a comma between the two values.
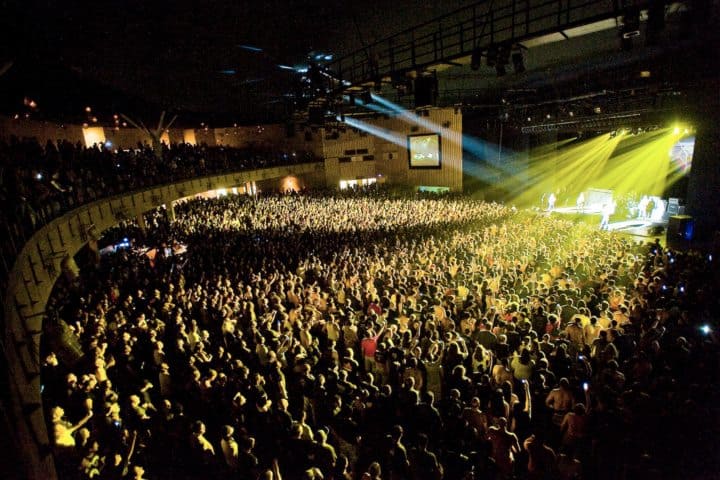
x=41, y=182
x=370, y=337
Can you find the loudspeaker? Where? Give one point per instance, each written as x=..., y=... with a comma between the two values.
x=425, y=91
x=492, y=54
x=680, y=231
x=316, y=115
x=476, y=59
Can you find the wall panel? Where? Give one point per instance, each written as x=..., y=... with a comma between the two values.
x=391, y=157
x=43, y=131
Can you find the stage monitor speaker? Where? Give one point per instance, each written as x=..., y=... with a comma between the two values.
x=680, y=230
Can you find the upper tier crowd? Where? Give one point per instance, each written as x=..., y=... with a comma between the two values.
x=366, y=337
x=41, y=182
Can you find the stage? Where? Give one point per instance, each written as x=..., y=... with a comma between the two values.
x=644, y=229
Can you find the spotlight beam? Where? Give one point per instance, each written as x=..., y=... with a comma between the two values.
x=505, y=161
x=383, y=133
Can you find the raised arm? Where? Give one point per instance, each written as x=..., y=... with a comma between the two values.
x=276, y=470
x=528, y=398
x=82, y=422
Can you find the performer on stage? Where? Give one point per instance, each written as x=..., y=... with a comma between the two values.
x=656, y=214
x=642, y=207
x=650, y=208
x=551, y=201
x=581, y=202
x=607, y=210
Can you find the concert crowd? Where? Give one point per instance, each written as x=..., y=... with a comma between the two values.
x=38, y=183
x=363, y=336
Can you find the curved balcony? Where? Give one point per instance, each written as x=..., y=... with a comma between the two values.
x=38, y=266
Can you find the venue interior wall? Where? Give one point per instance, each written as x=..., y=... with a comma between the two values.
x=703, y=193
x=43, y=131
x=390, y=158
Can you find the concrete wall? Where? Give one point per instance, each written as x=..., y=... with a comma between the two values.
x=43, y=131
x=276, y=136
x=390, y=159
x=124, y=137
x=390, y=154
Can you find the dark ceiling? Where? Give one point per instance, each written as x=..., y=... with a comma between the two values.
x=219, y=61
x=185, y=56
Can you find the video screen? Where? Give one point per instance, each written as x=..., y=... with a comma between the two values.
x=681, y=154
x=424, y=150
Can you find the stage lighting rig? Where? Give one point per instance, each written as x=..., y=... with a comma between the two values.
x=366, y=97
x=655, y=21
x=476, y=59
x=492, y=54
x=317, y=109
x=630, y=26
x=498, y=56
x=402, y=83
x=517, y=58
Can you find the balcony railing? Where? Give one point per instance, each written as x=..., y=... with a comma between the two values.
x=457, y=34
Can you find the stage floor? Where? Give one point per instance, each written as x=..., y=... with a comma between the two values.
x=640, y=229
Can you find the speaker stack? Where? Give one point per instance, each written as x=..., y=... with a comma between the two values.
x=680, y=231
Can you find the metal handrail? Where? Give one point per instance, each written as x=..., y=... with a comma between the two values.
x=457, y=34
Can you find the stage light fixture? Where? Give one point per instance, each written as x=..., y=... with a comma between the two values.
x=517, y=59
x=401, y=83
x=503, y=58
x=476, y=59
x=655, y=21
x=492, y=55
x=426, y=89
x=630, y=27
